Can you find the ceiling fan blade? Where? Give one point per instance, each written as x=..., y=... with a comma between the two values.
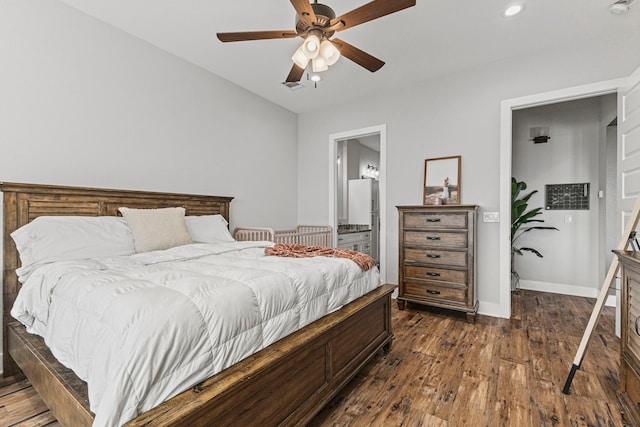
x=304, y=11
x=255, y=35
x=370, y=11
x=295, y=74
x=358, y=56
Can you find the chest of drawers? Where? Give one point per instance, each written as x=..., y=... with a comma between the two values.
x=437, y=262
x=629, y=394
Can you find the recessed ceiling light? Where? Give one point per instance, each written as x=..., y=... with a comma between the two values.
x=316, y=77
x=513, y=10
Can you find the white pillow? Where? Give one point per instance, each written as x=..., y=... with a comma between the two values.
x=156, y=229
x=62, y=238
x=208, y=229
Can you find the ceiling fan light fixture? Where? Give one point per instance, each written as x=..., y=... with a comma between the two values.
x=311, y=46
x=319, y=64
x=329, y=52
x=317, y=23
x=300, y=59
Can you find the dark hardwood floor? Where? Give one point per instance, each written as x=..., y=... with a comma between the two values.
x=443, y=371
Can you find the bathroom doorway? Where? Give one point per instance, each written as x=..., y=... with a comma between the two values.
x=367, y=138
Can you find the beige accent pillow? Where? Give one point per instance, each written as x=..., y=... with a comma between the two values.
x=156, y=229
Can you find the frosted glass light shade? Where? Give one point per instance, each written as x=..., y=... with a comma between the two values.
x=319, y=64
x=329, y=52
x=311, y=46
x=300, y=59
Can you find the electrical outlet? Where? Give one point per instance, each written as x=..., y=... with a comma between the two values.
x=491, y=217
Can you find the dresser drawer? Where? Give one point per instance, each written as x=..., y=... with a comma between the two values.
x=438, y=239
x=435, y=256
x=439, y=274
x=435, y=220
x=435, y=291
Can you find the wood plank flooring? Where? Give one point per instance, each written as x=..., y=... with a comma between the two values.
x=443, y=371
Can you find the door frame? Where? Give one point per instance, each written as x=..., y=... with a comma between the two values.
x=506, y=140
x=382, y=185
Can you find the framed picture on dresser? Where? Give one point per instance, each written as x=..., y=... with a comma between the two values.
x=442, y=181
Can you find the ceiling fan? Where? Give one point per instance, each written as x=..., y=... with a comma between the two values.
x=316, y=23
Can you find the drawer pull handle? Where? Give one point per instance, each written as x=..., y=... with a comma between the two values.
x=429, y=291
x=433, y=256
x=438, y=275
x=637, y=329
x=433, y=237
x=433, y=220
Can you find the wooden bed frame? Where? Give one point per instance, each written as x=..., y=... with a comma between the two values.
x=286, y=383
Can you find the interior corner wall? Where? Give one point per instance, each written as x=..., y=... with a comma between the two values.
x=571, y=255
x=85, y=104
x=457, y=114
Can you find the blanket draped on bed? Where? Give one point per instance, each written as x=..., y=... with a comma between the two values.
x=365, y=262
x=140, y=329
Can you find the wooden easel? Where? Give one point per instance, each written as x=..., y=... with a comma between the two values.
x=627, y=236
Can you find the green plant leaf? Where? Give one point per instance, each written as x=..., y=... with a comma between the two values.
x=539, y=228
x=520, y=216
x=531, y=250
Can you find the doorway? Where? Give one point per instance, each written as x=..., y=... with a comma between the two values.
x=335, y=140
x=567, y=172
x=357, y=195
x=506, y=134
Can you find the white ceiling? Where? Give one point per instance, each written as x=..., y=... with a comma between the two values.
x=427, y=40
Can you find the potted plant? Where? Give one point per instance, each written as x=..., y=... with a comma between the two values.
x=520, y=217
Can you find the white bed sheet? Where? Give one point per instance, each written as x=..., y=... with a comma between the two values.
x=142, y=328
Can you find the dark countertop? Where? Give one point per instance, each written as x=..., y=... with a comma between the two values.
x=354, y=231
x=353, y=228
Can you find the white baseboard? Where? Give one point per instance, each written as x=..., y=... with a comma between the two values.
x=565, y=289
x=611, y=301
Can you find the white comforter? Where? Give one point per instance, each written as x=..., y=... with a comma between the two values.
x=143, y=328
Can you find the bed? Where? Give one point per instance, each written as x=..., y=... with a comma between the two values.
x=264, y=388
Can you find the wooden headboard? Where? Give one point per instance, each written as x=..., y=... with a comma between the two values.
x=25, y=202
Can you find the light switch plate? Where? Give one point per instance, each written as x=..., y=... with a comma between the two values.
x=491, y=217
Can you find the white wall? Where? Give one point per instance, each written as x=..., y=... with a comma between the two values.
x=84, y=104
x=572, y=155
x=354, y=149
x=458, y=114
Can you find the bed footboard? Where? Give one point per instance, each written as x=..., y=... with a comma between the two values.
x=287, y=383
